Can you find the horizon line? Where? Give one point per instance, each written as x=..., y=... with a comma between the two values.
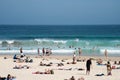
x=57, y=24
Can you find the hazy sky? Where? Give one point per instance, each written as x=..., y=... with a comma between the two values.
x=59, y=12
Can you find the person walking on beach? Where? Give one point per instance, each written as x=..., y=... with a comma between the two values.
x=109, y=68
x=88, y=65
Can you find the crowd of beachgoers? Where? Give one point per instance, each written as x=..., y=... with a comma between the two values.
x=46, y=64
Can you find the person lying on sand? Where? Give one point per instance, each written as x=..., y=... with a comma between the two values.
x=80, y=60
x=19, y=60
x=43, y=64
x=24, y=59
x=115, y=63
x=81, y=78
x=2, y=78
x=60, y=64
x=9, y=77
x=71, y=62
x=114, y=67
x=101, y=74
x=47, y=71
x=63, y=69
x=28, y=60
x=79, y=69
x=99, y=61
x=21, y=67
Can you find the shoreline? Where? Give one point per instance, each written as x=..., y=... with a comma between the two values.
x=111, y=58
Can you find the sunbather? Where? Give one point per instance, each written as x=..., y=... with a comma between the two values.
x=47, y=71
x=21, y=67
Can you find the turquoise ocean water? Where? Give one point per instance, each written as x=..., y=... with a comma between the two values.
x=62, y=39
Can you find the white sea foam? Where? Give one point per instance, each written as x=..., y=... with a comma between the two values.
x=40, y=40
x=9, y=51
x=111, y=51
x=17, y=51
x=34, y=51
x=63, y=51
x=77, y=40
x=0, y=42
x=51, y=40
x=10, y=41
x=87, y=43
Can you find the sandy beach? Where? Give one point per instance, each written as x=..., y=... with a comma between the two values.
x=59, y=39
x=60, y=72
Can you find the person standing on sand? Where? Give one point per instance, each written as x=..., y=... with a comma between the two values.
x=76, y=51
x=106, y=53
x=43, y=51
x=109, y=68
x=21, y=53
x=38, y=52
x=88, y=65
x=21, y=50
x=74, y=58
x=80, y=51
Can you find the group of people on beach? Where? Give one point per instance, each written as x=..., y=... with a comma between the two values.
x=22, y=57
x=108, y=66
x=9, y=77
x=48, y=52
x=45, y=52
x=89, y=62
x=79, y=51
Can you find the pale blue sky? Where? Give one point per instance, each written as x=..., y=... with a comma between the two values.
x=59, y=12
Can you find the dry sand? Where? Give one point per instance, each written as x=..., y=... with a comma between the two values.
x=6, y=67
